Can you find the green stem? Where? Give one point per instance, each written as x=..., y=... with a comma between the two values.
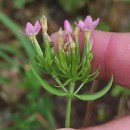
x=59, y=82
x=68, y=108
x=79, y=88
x=68, y=111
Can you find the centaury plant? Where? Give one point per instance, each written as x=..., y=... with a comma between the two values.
x=66, y=65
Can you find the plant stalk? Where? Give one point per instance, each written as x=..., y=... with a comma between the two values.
x=68, y=111
x=68, y=108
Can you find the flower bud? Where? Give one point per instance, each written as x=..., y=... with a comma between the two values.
x=67, y=27
x=76, y=32
x=60, y=37
x=72, y=44
x=43, y=22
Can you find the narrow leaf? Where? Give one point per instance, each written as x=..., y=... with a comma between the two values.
x=14, y=28
x=44, y=84
x=96, y=95
x=7, y=59
x=65, y=84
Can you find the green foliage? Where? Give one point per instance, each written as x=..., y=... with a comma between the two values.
x=44, y=84
x=97, y=94
x=7, y=63
x=122, y=0
x=102, y=26
x=21, y=3
x=24, y=116
x=66, y=66
x=101, y=114
x=3, y=80
x=72, y=6
x=118, y=90
x=14, y=28
x=6, y=58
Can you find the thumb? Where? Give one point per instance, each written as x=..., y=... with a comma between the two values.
x=111, y=51
x=65, y=129
x=119, y=124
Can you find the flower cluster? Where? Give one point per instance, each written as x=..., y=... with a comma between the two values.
x=66, y=65
x=85, y=25
x=67, y=62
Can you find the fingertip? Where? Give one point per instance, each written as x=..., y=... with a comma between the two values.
x=66, y=129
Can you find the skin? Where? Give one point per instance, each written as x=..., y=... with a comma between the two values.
x=111, y=51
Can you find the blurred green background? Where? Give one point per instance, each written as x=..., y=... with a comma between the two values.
x=24, y=105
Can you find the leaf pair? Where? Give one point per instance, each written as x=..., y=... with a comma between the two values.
x=57, y=92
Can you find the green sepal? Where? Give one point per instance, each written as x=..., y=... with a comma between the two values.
x=56, y=59
x=68, y=57
x=47, y=45
x=77, y=52
x=37, y=47
x=59, y=66
x=63, y=62
x=61, y=56
x=38, y=51
x=84, y=54
x=88, y=44
x=86, y=69
x=94, y=75
x=73, y=63
x=86, y=49
x=44, y=84
x=86, y=97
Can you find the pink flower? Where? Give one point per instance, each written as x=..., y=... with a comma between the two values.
x=31, y=30
x=67, y=27
x=88, y=24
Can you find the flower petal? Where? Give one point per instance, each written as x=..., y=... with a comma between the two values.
x=37, y=27
x=95, y=23
x=89, y=19
x=76, y=24
x=88, y=23
x=80, y=25
x=29, y=30
x=67, y=26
